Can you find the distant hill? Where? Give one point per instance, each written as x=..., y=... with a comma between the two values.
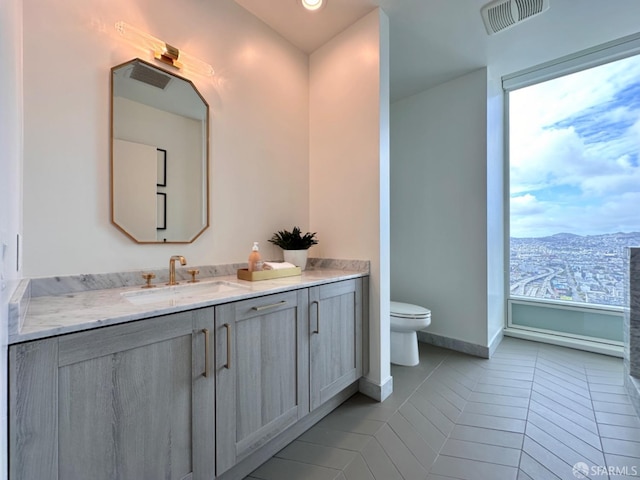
x=565, y=236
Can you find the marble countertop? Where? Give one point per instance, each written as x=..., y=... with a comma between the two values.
x=50, y=315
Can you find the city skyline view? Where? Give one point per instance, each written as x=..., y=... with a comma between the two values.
x=568, y=267
x=574, y=153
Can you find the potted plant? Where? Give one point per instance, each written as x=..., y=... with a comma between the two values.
x=295, y=245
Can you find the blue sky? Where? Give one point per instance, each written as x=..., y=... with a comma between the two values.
x=575, y=153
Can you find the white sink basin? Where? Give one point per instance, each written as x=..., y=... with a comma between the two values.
x=200, y=290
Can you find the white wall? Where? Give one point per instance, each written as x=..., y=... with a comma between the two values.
x=258, y=135
x=496, y=196
x=349, y=163
x=439, y=205
x=10, y=186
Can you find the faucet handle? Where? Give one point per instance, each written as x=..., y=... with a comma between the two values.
x=193, y=273
x=148, y=277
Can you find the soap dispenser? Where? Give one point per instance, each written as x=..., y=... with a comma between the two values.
x=255, y=261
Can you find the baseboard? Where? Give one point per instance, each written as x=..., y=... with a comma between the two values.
x=632, y=386
x=493, y=344
x=375, y=391
x=455, y=344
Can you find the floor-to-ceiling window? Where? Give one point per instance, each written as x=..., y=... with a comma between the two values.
x=574, y=194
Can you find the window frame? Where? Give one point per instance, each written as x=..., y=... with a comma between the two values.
x=583, y=60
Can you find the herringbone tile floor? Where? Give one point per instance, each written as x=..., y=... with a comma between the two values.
x=533, y=411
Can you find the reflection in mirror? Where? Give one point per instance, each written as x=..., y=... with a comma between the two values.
x=159, y=155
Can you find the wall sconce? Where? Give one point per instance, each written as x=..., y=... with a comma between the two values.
x=163, y=51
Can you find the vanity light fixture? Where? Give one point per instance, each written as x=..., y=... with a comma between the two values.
x=313, y=5
x=163, y=51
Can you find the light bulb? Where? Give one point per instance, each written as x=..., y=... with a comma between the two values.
x=164, y=52
x=312, y=4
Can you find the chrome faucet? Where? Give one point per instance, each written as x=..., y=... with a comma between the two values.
x=172, y=268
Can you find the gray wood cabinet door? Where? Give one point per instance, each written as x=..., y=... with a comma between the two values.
x=335, y=329
x=122, y=402
x=261, y=372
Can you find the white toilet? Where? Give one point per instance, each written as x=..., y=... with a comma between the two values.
x=406, y=320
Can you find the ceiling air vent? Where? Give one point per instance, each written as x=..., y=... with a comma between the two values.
x=503, y=14
x=149, y=76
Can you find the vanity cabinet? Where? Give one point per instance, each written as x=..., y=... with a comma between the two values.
x=261, y=372
x=335, y=323
x=120, y=402
x=207, y=392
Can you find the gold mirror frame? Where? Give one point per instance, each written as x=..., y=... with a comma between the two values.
x=130, y=185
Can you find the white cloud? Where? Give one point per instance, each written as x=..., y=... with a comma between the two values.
x=569, y=135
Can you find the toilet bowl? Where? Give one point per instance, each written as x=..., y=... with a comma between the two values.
x=406, y=319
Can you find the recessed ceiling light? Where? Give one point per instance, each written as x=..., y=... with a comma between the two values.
x=313, y=5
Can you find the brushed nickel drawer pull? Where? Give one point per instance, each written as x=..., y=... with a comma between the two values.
x=267, y=307
x=228, y=364
x=206, y=352
x=317, y=330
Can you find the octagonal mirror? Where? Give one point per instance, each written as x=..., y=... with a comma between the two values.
x=159, y=155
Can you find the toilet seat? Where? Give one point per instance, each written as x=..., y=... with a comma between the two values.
x=407, y=310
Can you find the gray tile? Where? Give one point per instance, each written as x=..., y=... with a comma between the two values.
x=511, y=364
x=602, y=380
x=625, y=448
x=379, y=463
x=314, y=454
x=562, y=381
x=570, y=438
x=366, y=407
x=624, y=465
x=564, y=416
x=505, y=382
x=358, y=470
x=350, y=423
x=465, y=469
x=515, y=373
x=560, y=370
x=618, y=419
x=523, y=476
x=404, y=460
x=496, y=410
x=498, y=390
x=613, y=408
x=559, y=449
x=488, y=436
x=534, y=469
x=576, y=422
x=483, y=407
x=578, y=394
x=427, y=430
x=497, y=399
x=574, y=402
x=619, y=389
x=445, y=392
x=546, y=458
x=495, y=423
x=451, y=411
x=610, y=397
x=413, y=440
x=434, y=415
x=335, y=438
x=279, y=469
x=460, y=389
x=621, y=433
x=481, y=452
